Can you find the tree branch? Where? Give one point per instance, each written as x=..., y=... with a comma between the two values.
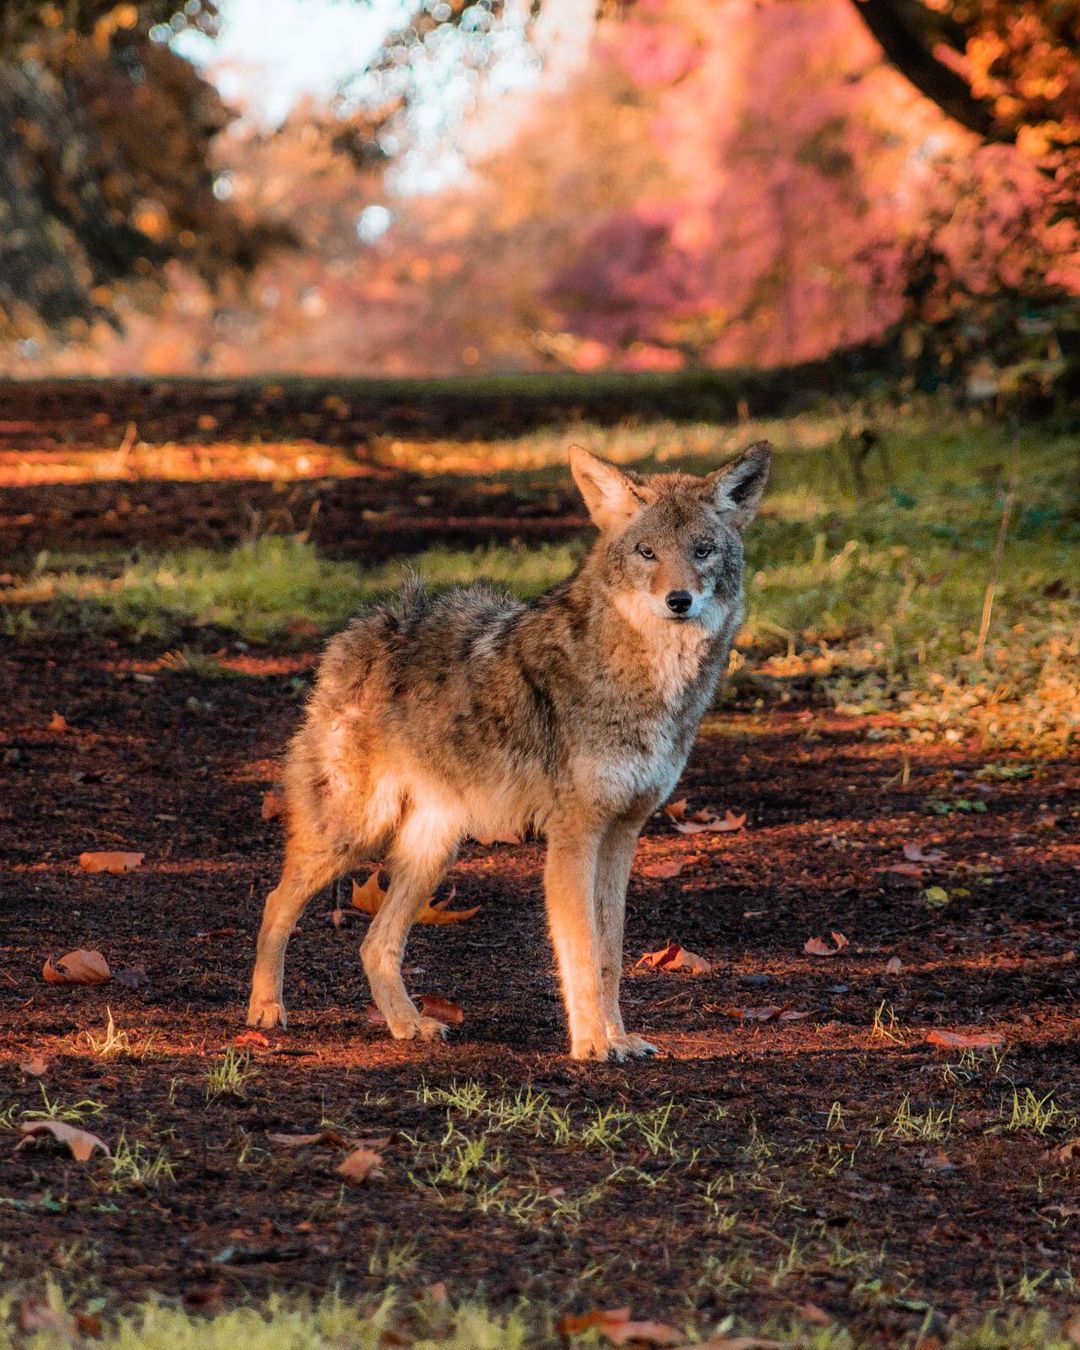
x=913, y=58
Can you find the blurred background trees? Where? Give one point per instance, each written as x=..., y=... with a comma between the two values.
x=674, y=183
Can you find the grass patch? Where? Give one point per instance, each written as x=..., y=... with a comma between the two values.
x=279, y=1323
x=866, y=578
x=258, y=590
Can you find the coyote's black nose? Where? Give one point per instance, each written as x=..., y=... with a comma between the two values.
x=679, y=602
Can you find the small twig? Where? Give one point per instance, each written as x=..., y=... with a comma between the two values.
x=999, y=549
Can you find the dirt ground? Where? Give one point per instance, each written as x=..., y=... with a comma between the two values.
x=836, y=1166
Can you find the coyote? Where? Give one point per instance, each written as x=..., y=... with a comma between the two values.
x=471, y=713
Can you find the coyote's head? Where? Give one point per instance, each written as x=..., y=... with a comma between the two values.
x=671, y=544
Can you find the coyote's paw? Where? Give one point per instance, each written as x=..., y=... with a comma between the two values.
x=591, y=1047
x=629, y=1046
x=420, y=1029
x=266, y=1014
x=613, y=1049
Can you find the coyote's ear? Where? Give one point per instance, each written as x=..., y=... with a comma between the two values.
x=737, y=488
x=613, y=499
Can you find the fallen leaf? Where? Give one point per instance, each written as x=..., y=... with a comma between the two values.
x=253, y=1038
x=113, y=863
x=370, y=897
x=374, y=1016
x=273, y=805
x=662, y=870
x=57, y=722
x=36, y=1065
x=79, y=967
x=1064, y=1153
x=705, y=819
x=771, y=1012
x=616, y=1326
x=360, y=1164
x=810, y=1312
x=1046, y=820
x=904, y=870
x=916, y=854
x=936, y=896
x=816, y=946
x=893, y=966
x=332, y=1137
x=431, y=1005
x=676, y=958
x=978, y=1040
x=81, y=1142
x=440, y=912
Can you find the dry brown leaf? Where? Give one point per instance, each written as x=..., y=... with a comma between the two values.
x=81, y=1142
x=360, y=1164
x=78, y=967
x=36, y=1065
x=816, y=946
x=273, y=805
x=255, y=1039
x=57, y=722
x=332, y=1137
x=370, y=898
x=1064, y=1153
x=431, y=1005
x=704, y=820
x=616, y=1326
x=662, y=870
x=963, y=1040
x=374, y=1016
x=113, y=863
x=904, y=870
x=916, y=854
x=676, y=958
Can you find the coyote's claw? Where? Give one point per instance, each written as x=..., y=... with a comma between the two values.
x=631, y=1046
x=423, y=1029
x=613, y=1049
x=266, y=1015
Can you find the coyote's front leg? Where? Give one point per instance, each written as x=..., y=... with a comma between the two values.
x=615, y=859
x=569, y=876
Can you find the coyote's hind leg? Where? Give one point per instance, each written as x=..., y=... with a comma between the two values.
x=303, y=874
x=422, y=851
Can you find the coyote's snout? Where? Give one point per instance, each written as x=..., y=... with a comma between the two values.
x=469, y=713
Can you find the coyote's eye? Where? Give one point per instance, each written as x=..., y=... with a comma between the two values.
x=644, y=551
x=702, y=550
